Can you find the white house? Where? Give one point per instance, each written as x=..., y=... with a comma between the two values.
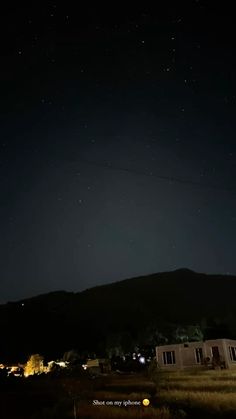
x=217, y=353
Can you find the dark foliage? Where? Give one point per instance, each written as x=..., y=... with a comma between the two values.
x=116, y=317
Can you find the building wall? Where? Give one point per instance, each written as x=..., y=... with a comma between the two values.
x=223, y=345
x=169, y=348
x=230, y=363
x=215, y=342
x=188, y=355
x=185, y=354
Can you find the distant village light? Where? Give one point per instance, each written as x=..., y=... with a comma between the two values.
x=62, y=364
x=142, y=360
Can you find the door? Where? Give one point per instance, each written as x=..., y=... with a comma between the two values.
x=216, y=361
x=215, y=353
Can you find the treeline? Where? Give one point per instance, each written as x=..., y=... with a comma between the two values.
x=114, y=319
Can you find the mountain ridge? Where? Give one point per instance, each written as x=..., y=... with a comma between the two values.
x=88, y=320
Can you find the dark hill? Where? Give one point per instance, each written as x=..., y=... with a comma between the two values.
x=53, y=323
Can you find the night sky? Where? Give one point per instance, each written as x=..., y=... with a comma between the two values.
x=117, y=144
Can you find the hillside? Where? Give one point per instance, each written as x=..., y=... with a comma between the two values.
x=133, y=309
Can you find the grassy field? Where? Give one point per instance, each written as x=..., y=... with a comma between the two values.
x=185, y=394
x=173, y=395
x=201, y=394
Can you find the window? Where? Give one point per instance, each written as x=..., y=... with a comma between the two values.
x=232, y=353
x=199, y=355
x=169, y=357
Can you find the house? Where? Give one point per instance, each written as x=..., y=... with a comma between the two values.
x=217, y=353
x=98, y=366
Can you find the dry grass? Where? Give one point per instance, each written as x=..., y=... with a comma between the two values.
x=208, y=391
x=88, y=412
x=111, y=395
x=200, y=385
x=200, y=374
x=181, y=394
x=176, y=395
x=212, y=401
